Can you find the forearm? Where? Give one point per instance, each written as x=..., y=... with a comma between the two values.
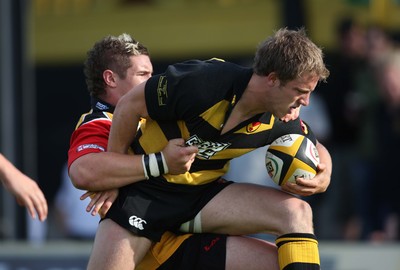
x=106, y=170
x=7, y=170
x=326, y=160
x=325, y=157
x=124, y=125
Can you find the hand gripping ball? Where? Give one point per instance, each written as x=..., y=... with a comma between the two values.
x=291, y=156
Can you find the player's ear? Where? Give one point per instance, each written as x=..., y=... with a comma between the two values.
x=108, y=77
x=272, y=79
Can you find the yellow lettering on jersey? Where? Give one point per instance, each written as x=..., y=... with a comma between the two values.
x=162, y=91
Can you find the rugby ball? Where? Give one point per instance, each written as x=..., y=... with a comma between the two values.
x=291, y=156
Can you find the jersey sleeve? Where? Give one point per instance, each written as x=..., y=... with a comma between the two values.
x=91, y=137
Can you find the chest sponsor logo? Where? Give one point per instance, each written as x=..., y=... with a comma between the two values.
x=207, y=149
x=89, y=146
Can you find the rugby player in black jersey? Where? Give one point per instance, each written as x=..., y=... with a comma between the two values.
x=209, y=105
x=113, y=66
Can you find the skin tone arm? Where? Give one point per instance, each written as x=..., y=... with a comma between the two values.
x=119, y=170
x=26, y=191
x=116, y=170
x=130, y=108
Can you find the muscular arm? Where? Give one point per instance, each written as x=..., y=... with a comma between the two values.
x=326, y=162
x=130, y=108
x=105, y=170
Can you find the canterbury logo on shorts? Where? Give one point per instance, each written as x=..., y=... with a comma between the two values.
x=137, y=222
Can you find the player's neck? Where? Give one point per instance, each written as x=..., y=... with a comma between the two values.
x=237, y=116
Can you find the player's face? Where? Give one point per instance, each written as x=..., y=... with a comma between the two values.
x=294, y=94
x=140, y=71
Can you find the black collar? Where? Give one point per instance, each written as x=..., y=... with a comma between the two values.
x=99, y=105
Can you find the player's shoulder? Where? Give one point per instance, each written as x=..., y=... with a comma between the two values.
x=219, y=62
x=94, y=117
x=196, y=64
x=296, y=126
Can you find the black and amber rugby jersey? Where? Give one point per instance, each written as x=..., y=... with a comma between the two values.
x=192, y=100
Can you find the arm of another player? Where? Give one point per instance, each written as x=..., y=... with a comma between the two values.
x=106, y=170
x=320, y=182
x=130, y=108
x=25, y=189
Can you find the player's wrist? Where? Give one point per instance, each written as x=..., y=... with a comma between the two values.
x=154, y=165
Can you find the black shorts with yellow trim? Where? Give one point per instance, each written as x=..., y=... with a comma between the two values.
x=149, y=208
x=188, y=251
